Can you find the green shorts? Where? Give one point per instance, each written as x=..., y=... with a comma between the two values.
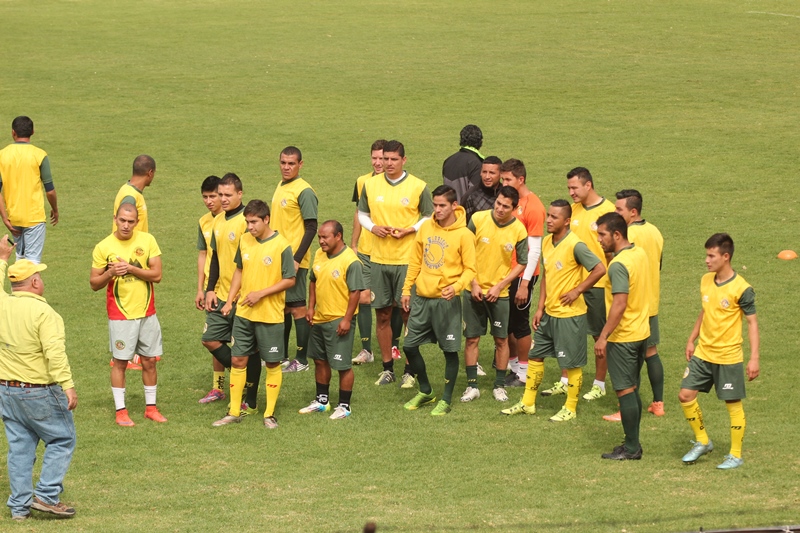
x=654, y=337
x=595, y=299
x=478, y=314
x=434, y=320
x=625, y=360
x=366, y=268
x=387, y=285
x=250, y=338
x=217, y=327
x=562, y=338
x=324, y=343
x=296, y=296
x=728, y=380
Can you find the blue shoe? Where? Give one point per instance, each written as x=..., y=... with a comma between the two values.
x=697, y=451
x=730, y=462
x=315, y=407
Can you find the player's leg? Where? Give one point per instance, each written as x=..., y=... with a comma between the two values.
x=732, y=380
x=318, y=348
x=339, y=360
x=365, y=312
x=383, y=303
x=697, y=378
x=216, y=339
x=149, y=347
x=346, y=380
x=123, y=335
x=655, y=369
x=596, y=318
x=475, y=318
x=570, y=348
x=624, y=364
x=251, y=385
x=269, y=337
x=445, y=317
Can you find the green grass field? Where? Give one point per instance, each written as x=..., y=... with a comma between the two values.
x=692, y=103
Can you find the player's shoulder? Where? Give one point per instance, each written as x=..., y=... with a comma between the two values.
x=364, y=177
x=411, y=179
x=607, y=206
x=206, y=219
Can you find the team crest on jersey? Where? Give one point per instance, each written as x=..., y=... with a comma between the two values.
x=316, y=268
x=594, y=226
x=485, y=240
x=139, y=251
x=231, y=236
x=119, y=345
x=379, y=199
x=283, y=202
x=268, y=260
x=519, y=210
x=434, y=252
x=404, y=201
x=686, y=373
x=246, y=257
x=725, y=303
x=576, y=222
x=559, y=266
x=335, y=274
x=508, y=247
x=705, y=298
x=206, y=234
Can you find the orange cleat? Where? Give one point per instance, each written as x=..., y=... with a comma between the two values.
x=123, y=419
x=152, y=413
x=616, y=417
x=657, y=408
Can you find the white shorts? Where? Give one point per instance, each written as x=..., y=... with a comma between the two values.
x=138, y=336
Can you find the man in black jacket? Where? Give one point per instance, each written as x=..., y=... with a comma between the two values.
x=462, y=170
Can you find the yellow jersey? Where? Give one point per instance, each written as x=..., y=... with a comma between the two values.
x=129, y=194
x=564, y=264
x=227, y=230
x=204, y=231
x=366, y=238
x=628, y=272
x=721, y=329
x=496, y=245
x=647, y=237
x=584, y=225
x=263, y=264
x=292, y=203
x=334, y=278
x=21, y=178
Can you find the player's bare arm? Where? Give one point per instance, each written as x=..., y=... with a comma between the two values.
x=151, y=274
x=753, y=365
x=254, y=297
x=537, y=316
x=594, y=276
x=347, y=320
x=693, y=335
x=200, y=297
x=475, y=291
x=493, y=294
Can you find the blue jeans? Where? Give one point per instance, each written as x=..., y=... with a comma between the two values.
x=31, y=243
x=31, y=415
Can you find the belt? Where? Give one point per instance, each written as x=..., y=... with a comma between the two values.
x=23, y=385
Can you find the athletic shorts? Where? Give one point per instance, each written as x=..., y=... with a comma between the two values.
x=325, y=344
x=595, y=299
x=296, y=296
x=136, y=336
x=386, y=284
x=31, y=243
x=478, y=314
x=251, y=338
x=655, y=336
x=218, y=327
x=366, y=268
x=519, y=320
x=562, y=338
x=434, y=320
x=625, y=360
x=728, y=380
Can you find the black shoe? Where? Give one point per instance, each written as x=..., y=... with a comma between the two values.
x=621, y=454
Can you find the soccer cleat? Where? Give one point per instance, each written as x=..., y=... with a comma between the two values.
x=621, y=454
x=385, y=377
x=616, y=417
x=285, y=363
x=212, y=396
x=512, y=380
x=246, y=410
x=730, y=462
x=226, y=420
x=470, y=394
x=123, y=419
x=441, y=409
x=295, y=366
x=558, y=388
x=481, y=371
x=407, y=381
x=657, y=408
x=698, y=450
x=270, y=422
x=519, y=408
x=58, y=509
x=340, y=412
x=315, y=407
x=419, y=400
x=500, y=394
x=364, y=356
x=396, y=352
x=152, y=413
x=594, y=394
x=563, y=415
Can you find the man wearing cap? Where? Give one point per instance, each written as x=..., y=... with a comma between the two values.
x=35, y=377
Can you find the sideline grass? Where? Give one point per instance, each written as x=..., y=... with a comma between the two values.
x=693, y=103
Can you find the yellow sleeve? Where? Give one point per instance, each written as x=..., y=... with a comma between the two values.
x=51, y=333
x=414, y=265
x=468, y=260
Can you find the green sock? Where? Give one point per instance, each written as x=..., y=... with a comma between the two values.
x=472, y=376
x=252, y=380
x=655, y=371
x=365, y=326
x=303, y=330
x=397, y=326
x=500, y=378
x=631, y=413
x=418, y=366
x=450, y=375
x=287, y=332
x=223, y=355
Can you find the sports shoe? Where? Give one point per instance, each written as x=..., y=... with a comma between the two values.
x=285, y=363
x=621, y=454
x=514, y=381
x=270, y=422
x=396, y=352
x=698, y=450
x=500, y=394
x=594, y=394
x=123, y=419
x=419, y=400
x=441, y=409
x=315, y=407
x=58, y=509
x=212, y=396
x=340, y=412
x=407, y=381
x=152, y=413
x=557, y=388
x=616, y=417
x=518, y=409
x=472, y=393
x=246, y=410
x=657, y=408
x=364, y=356
x=481, y=371
x=226, y=420
x=563, y=415
x=20, y=517
x=730, y=462
x=385, y=377
x=295, y=366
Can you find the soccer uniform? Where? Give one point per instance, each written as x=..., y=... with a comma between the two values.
x=648, y=238
x=366, y=238
x=530, y=211
x=205, y=229
x=226, y=232
x=128, y=194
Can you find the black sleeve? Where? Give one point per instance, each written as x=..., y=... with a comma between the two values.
x=355, y=193
x=308, y=237
x=213, y=272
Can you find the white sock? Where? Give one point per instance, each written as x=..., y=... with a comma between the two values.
x=119, y=397
x=522, y=373
x=513, y=364
x=601, y=384
x=150, y=394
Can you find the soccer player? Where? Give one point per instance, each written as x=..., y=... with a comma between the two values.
x=481, y=196
x=132, y=192
x=128, y=263
x=392, y=207
x=718, y=358
x=333, y=296
x=25, y=179
x=560, y=320
x=647, y=237
x=623, y=339
x=294, y=215
x=442, y=264
x=498, y=234
x=264, y=271
x=531, y=213
x=462, y=170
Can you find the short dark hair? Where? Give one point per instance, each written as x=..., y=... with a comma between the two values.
x=293, y=150
x=257, y=208
x=515, y=166
x=614, y=223
x=127, y=206
x=210, y=184
x=143, y=164
x=447, y=191
x=563, y=204
x=378, y=145
x=471, y=135
x=337, y=226
x=633, y=199
x=231, y=179
x=723, y=242
x=511, y=193
x=582, y=173
x=493, y=160
x=395, y=146
x=22, y=126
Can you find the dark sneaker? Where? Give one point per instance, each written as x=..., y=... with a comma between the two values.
x=621, y=454
x=58, y=509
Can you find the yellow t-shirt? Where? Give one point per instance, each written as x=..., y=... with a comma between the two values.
x=495, y=245
x=366, y=238
x=292, y=203
x=647, y=237
x=23, y=190
x=128, y=297
x=132, y=195
x=334, y=278
x=228, y=229
x=628, y=272
x=564, y=265
x=263, y=264
x=205, y=231
x=584, y=225
x=723, y=307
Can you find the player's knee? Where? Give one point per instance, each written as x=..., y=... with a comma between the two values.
x=686, y=395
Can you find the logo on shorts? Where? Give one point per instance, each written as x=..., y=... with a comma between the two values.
x=404, y=201
x=268, y=260
x=561, y=354
x=725, y=303
x=450, y=337
x=233, y=341
x=338, y=357
x=139, y=251
x=274, y=349
x=119, y=345
x=335, y=274
x=559, y=266
x=231, y=236
x=485, y=240
x=727, y=386
x=283, y=202
x=497, y=324
x=508, y=247
x=205, y=327
x=434, y=252
x=686, y=373
x=371, y=296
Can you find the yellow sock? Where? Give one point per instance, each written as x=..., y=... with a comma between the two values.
x=238, y=379
x=736, y=412
x=533, y=379
x=218, y=381
x=274, y=380
x=575, y=377
x=694, y=415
